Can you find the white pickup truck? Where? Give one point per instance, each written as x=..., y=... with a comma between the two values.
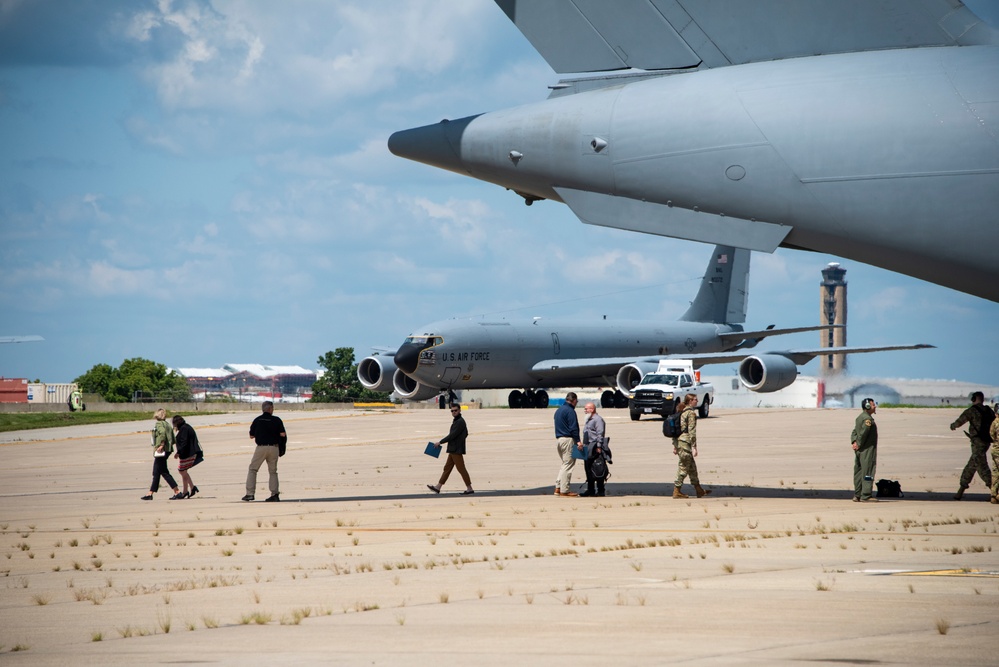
x=660, y=391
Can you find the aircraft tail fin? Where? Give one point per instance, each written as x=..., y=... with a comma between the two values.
x=724, y=293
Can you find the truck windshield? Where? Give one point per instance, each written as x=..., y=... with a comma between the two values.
x=656, y=378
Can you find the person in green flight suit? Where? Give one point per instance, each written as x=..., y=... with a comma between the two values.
x=864, y=440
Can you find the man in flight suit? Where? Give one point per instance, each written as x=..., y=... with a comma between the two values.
x=864, y=441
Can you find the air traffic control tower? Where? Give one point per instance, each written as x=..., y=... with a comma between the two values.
x=833, y=305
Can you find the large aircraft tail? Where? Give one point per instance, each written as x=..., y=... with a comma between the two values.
x=724, y=292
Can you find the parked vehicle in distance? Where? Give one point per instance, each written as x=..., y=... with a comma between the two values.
x=659, y=392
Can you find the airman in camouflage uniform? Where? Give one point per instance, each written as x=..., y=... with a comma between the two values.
x=994, y=434
x=685, y=446
x=977, y=418
x=864, y=440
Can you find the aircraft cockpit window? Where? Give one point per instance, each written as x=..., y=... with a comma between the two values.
x=424, y=341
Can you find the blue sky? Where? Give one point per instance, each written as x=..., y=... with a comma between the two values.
x=201, y=183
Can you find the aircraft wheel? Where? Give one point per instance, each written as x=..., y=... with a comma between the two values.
x=516, y=400
x=541, y=399
x=704, y=408
x=620, y=400
x=607, y=399
x=528, y=399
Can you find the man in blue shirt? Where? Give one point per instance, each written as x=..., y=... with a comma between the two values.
x=566, y=437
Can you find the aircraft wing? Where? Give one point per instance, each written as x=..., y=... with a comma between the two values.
x=587, y=367
x=763, y=333
x=609, y=366
x=797, y=356
x=596, y=35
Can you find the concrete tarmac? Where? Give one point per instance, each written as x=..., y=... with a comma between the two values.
x=361, y=564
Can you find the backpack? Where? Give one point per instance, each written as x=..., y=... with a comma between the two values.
x=598, y=466
x=671, y=426
x=987, y=417
x=888, y=488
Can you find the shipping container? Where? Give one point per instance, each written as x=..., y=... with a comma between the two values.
x=13, y=390
x=40, y=392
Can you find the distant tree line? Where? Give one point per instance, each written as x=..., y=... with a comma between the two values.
x=134, y=377
x=145, y=378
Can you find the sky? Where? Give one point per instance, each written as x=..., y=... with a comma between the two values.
x=207, y=182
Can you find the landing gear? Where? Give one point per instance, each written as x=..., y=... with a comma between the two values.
x=529, y=398
x=516, y=399
x=607, y=399
x=541, y=399
x=613, y=399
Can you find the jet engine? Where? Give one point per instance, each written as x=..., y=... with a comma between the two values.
x=376, y=372
x=410, y=390
x=767, y=372
x=629, y=376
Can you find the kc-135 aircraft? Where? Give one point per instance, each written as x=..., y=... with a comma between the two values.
x=541, y=354
x=867, y=129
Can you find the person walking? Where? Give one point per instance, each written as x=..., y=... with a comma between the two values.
x=864, y=441
x=979, y=418
x=685, y=447
x=566, y=437
x=268, y=432
x=594, y=431
x=188, y=453
x=162, y=441
x=455, y=440
x=994, y=434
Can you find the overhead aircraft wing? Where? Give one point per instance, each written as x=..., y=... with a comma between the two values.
x=20, y=339
x=607, y=366
x=596, y=35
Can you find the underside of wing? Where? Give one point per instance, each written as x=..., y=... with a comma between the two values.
x=596, y=35
x=585, y=368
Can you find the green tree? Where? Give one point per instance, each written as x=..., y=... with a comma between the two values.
x=339, y=383
x=119, y=385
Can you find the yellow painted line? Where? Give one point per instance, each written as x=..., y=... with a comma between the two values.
x=964, y=572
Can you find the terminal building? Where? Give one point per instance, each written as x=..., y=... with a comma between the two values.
x=251, y=382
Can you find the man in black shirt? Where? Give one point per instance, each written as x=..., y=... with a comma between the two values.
x=268, y=432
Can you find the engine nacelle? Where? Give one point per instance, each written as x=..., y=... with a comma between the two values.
x=629, y=376
x=409, y=389
x=767, y=372
x=376, y=373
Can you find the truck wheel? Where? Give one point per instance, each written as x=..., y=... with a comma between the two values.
x=704, y=408
x=635, y=416
x=670, y=406
x=620, y=400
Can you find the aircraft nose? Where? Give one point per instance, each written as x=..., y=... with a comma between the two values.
x=438, y=145
x=407, y=357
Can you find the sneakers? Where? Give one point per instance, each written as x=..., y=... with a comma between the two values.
x=557, y=492
x=248, y=497
x=273, y=499
x=433, y=488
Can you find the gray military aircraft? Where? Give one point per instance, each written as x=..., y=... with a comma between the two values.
x=860, y=128
x=541, y=354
